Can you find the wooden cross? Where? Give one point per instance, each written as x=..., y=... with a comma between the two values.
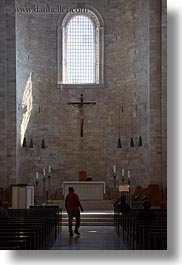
x=81, y=104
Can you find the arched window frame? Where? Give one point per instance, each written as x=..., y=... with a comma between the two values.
x=98, y=22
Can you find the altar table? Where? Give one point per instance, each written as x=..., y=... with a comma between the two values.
x=86, y=190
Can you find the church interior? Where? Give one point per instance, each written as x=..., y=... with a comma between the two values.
x=83, y=104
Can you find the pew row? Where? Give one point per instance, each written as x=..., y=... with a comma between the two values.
x=139, y=235
x=30, y=229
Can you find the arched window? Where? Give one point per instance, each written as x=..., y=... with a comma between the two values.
x=80, y=48
x=79, y=54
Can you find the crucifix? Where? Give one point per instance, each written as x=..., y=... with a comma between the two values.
x=81, y=104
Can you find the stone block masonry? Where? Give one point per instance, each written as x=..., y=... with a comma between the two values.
x=133, y=66
x=7, y=95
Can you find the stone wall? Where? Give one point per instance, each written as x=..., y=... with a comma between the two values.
x=7, y=94
x=132, y=72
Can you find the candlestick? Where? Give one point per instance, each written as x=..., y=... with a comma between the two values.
x=37, y=182
x=49, y=169
x=44, y=171
x=128, y=174
x=114, y=178
x=114, y=169
x=123, y=172
x=49, y=187
x=44, y=185
x=37, y=175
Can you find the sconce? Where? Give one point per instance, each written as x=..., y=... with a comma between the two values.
x=132, y=142
x=119, y=139
x=140, y=141
x=24, y=142
x=119, y=143
x=31, y=143
x=140, y=137
x=43, y=144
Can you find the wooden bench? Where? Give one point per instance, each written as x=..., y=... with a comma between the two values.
x=56, y=218
x=26, y=232
x=12, y=244
x=15, y=226
x=140, y=235
x=143, y=234
x=34, y=228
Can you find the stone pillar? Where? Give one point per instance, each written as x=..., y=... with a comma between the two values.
x=157, y=95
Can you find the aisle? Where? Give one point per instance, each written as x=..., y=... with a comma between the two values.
x=91, y=238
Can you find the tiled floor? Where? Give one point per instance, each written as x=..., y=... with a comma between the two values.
x=91, y=238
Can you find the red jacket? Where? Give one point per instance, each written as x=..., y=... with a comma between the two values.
x=72, y=202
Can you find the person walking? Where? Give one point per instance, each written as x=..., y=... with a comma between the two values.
x=73, y=206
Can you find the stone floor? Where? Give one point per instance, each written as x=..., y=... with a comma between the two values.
x=91, y=238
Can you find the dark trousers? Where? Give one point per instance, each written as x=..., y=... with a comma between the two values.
x=70, y=220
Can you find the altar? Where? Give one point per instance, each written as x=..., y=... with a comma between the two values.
x=86, y=190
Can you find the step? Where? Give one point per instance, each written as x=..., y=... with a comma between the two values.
x=99, y=205
x=100, y=218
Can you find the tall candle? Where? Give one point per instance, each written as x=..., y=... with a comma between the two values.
x=49, y=169
x=114, y=168
x=37, y=175
x=123, y=172
x=44, y=171
x=128, y=174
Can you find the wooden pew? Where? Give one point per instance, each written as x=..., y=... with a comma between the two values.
x=32, y=227
x=13, y=237
x=56, y=216
x=21, y=227
x=52, y=213
x=139, y=235
x=144, y=232
x=157, y=240
x=12, y=244
x=26, y=232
